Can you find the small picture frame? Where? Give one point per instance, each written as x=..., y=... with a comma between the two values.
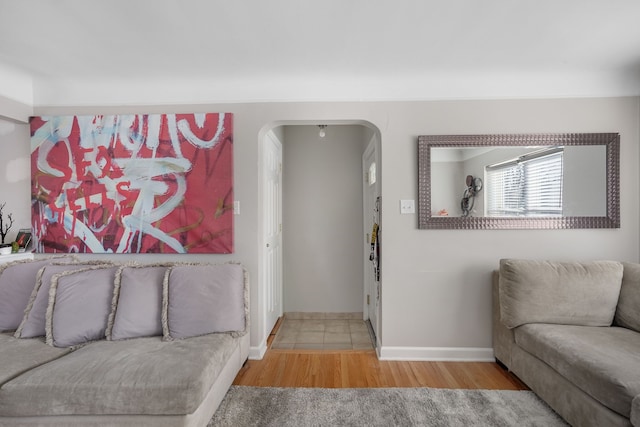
x=23, y=239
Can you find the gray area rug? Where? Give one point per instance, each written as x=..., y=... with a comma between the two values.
x=270, y=406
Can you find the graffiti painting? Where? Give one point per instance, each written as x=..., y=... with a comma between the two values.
x=157, y=183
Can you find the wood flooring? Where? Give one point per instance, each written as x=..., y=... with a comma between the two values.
x=355, y=369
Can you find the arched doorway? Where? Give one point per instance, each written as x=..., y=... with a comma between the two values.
x=306, y=272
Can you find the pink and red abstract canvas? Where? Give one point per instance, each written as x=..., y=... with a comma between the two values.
x=156, y=183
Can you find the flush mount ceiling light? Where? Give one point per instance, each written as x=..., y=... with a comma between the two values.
x=322, y=132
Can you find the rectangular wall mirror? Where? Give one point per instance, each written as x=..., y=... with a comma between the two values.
x=519, y=181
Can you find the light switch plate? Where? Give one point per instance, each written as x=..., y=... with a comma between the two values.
x=236, y=207
x=407, y=206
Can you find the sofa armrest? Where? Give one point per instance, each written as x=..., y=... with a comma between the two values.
x=503, y=337
x=635, y=411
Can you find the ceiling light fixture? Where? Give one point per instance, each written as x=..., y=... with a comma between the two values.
x=322, y=132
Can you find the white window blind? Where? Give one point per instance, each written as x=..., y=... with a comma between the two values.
x=530, y=185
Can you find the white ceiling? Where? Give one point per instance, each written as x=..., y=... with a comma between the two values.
x=248, y=50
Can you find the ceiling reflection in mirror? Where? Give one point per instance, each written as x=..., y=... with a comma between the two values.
x=528, y=181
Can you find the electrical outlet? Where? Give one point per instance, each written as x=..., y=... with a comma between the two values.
x=407, y=206
x=236, y=207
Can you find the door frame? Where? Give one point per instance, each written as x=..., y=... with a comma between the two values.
x=267, y=324
x=373, y=290
x=260, y=322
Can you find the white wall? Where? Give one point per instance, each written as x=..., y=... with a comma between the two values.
x=448, y=191
x=322, y=217
x=584, y=192
x=435, y=283
x=15, y=175
x=442, y=278
x=16, y=85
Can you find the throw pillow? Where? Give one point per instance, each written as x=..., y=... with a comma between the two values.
x=34, y=321
x=628, y=310
x=136, y=308
x=566, y=293
x=17, y=280
x=79, y=305
x=203, y=299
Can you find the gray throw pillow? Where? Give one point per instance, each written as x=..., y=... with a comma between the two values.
x=136, y=309
x=17, y=280
x=566, y=293
x=203, y=299
x=34, y=320
x=628, y=310
x=79, y=305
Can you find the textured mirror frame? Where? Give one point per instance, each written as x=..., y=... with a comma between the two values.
x=611, y=220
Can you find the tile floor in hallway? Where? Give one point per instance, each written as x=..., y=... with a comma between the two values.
x=322, y=334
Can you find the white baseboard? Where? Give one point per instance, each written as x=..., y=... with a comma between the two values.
x=434, y=354
x=450, y=354
x=257, y=353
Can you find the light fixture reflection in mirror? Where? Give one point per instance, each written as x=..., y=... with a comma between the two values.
x=562, y=181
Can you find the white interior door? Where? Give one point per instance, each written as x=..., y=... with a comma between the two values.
x=371, y=216
x=272, y=217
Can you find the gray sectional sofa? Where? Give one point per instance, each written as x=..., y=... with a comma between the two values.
x=100, y=344
x=571, y=332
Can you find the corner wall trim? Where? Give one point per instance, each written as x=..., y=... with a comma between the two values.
x=257, y=353
x=450, y=354
x=14, y=110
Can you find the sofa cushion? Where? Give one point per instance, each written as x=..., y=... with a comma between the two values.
x=136, y=309
x=18, y=356
x=34, y=320
x=141, y=376
x=17, y=280
x=604, y=362
x=202, y=299
x=79, y=305
x=570, y=293
x=628, y=310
